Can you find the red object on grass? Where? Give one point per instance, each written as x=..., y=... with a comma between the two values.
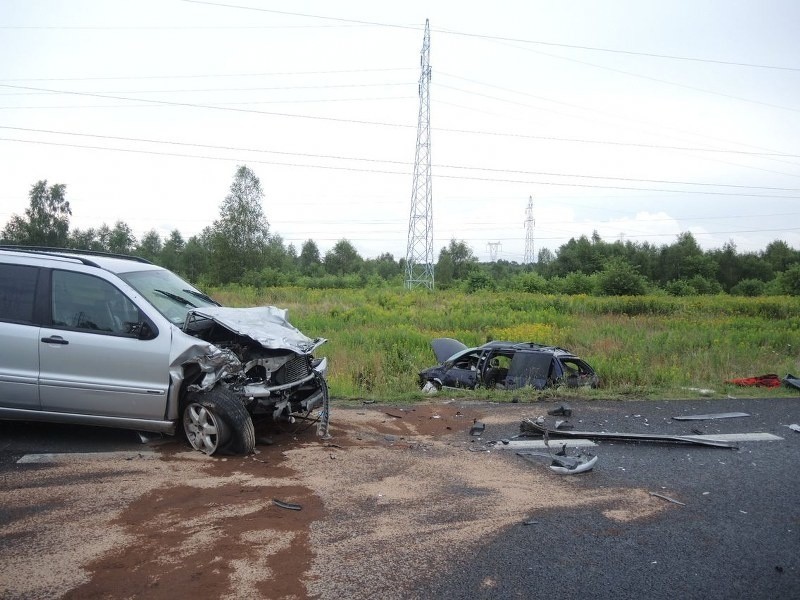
x=771, y=380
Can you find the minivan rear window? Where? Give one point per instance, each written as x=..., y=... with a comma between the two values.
x=17, y=292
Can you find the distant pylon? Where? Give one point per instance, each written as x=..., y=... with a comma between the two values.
x=494, y=247
x=529, y=223
x=419, y=255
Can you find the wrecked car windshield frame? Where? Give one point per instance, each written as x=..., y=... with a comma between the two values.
x=161, y=288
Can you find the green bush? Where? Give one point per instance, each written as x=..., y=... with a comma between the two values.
x=748, y=287
x=619, y=278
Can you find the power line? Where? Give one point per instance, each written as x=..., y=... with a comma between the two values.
x=503, y=39
x=385, y=172
x=214, y=75
x=667, y=82
x=393, y=162
x=579, y=107
x=401, y=125
x=245, y=89
x=240, y=103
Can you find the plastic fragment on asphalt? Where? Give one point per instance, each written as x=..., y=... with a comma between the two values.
x=794, y=427
x=562, y=464
x=667, y=498
x=286, y=505
x=729, y=415
x=582, y=465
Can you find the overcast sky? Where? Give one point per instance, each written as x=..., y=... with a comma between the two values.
x=637, y=119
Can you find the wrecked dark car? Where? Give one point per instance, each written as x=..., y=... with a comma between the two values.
x=504, y=365
x=110, y=340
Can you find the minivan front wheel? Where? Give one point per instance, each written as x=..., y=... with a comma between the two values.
x=216, y=422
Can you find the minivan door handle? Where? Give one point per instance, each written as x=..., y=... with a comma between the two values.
x=56, y=339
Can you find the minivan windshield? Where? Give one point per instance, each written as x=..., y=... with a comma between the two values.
x=168, y=293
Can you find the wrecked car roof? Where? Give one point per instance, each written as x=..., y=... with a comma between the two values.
x=267, y=325
x=446, y=348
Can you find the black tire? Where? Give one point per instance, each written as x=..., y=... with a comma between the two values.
x=216, y=422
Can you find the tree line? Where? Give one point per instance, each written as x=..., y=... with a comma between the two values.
x=239, y=248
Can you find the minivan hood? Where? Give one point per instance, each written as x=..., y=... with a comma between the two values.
x=444, y=348
x=266, y=325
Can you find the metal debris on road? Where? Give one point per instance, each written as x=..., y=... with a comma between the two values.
x=729, y=415
x=530, y=427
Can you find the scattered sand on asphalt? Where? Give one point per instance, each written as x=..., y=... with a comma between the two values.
x=394, y=495
x=409, y=505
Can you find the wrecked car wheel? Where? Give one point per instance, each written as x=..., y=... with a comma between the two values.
x=216, y=422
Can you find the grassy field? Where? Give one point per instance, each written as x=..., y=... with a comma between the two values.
x=642, y=347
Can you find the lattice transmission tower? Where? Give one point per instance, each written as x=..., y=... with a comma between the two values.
x=529, y=223
x=419, y=255
x=494, y=248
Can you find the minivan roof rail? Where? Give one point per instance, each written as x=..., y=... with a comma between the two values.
x=71, y=251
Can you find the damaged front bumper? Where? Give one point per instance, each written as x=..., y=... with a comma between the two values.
x=255, y=353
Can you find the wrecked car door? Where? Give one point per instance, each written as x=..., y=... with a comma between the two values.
x=530, y=369
x=461, y=371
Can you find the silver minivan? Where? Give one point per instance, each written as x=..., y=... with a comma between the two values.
x=116, y=341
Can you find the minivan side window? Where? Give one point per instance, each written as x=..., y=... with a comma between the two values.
x=82, y=301
x=17, y=292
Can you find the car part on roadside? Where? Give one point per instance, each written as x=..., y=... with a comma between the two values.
x=791, y=381
x=729, y=415
x=563, y=464
x=147, y=437
x=572, y=466
x=529, y=427
x=562, y=411
x=503, y=366
x=109, y=340
x=286, y=505
x=477, y=428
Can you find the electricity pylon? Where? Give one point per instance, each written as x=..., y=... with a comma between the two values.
x=494, y=248
x=419, y=255
x=529, y=223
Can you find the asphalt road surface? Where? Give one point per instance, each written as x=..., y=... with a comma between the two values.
x=737, y=534
x=404, y=503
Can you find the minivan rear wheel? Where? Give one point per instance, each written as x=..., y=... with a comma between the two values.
x=216, y=422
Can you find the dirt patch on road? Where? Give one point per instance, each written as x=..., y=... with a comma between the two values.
x=393, y=494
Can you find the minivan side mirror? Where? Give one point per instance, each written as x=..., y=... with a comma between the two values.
x=143, y=330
